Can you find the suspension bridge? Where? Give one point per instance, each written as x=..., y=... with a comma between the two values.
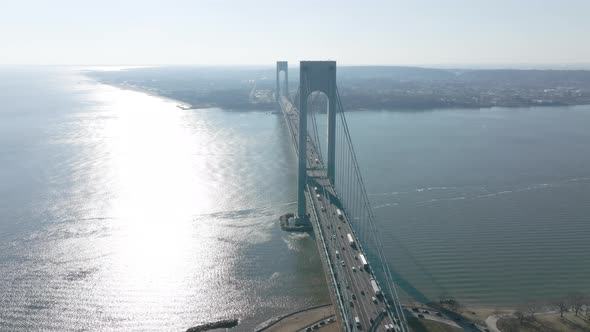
x=332, y=200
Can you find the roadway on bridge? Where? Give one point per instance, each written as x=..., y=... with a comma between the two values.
x=353, y=279
x=358, y=296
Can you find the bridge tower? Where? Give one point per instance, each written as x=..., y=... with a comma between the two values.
x=315, y=76
x=282, y=66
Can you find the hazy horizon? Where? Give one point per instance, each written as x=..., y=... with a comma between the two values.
x=295, y=64
x=424, y=33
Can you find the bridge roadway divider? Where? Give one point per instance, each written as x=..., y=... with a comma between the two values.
x=318, y=228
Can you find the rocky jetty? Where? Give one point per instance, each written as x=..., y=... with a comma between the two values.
x=222, y=324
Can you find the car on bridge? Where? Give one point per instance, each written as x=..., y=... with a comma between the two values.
x=357, y=322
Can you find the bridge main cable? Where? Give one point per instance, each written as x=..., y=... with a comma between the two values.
x=362, y=198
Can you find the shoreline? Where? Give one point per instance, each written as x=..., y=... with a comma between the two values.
x=265, y=107
x=495, y=318
x=468, y=317
x=298, y=319
x=179, y=103
x=183, y=105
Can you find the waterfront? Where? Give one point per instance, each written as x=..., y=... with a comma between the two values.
x=121, y=211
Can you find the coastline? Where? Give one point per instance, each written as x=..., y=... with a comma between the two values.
x=246, y=106
x=502, y=318
x=184, y=105
x=298, y=319
x=179, y=103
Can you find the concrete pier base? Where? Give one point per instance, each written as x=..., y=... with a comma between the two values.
x=290, y=223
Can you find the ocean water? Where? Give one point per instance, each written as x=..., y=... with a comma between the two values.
x=121, y=212
x=491, y=206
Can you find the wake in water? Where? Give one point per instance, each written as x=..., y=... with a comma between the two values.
x=471, y=196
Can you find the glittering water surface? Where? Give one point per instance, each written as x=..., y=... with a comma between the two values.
x=121, y=212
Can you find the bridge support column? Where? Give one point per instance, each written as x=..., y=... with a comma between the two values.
x=302, y=155
x=282, y=66
x=332, y=103
x=315, y=76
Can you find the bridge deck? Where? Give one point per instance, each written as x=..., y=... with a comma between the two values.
x=351, y=289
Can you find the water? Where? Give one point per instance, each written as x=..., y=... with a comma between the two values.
x=491, y=206
x=120, y=211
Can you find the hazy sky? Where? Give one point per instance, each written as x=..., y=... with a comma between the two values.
x=260, y=32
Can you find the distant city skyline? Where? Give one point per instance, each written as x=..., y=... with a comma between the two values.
x=455, y=33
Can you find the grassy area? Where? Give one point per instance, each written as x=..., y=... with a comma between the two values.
x=546, y=323
x=424, y=325
x=479, y=314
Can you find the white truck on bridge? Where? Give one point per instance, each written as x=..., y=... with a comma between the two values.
x=339, y=214
x=364, y=262
x=375, y=287
x=350, y=240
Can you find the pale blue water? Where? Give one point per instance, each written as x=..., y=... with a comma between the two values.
x=492, y=206
x=120, y=211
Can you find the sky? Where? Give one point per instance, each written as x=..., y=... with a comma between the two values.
x=258, y=32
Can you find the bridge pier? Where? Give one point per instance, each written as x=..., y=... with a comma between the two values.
x=282, y=66
x=321, y=76
x=314, y=76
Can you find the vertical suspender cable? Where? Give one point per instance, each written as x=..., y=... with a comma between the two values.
x=389, y=279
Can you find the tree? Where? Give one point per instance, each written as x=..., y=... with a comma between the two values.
x=576, y=301
x=448, y=301
x=532, y=308
x=442, y=298
x=520, y=316
x=562, y=305
x=511, y=325
x=587, y=305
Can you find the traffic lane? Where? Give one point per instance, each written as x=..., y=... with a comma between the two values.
x=362, y=280
x=337, y=266
x=356, y=285
x=344, y=272
x=360, y=286
x=362, y=306
x=359, y=281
